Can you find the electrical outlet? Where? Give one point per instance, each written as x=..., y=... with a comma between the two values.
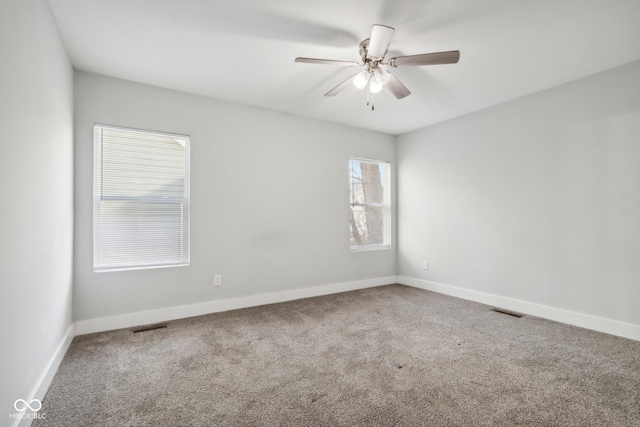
x=217, y=280
x=425, y=265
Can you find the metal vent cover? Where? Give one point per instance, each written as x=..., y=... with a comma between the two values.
x=149, y=327
x=507, y=312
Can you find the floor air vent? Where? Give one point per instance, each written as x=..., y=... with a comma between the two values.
x=149, y=327
x=508, y=312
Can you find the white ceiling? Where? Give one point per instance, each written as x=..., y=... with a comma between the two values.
x=243, y=50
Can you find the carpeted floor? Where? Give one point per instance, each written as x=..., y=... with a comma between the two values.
x=392, y=355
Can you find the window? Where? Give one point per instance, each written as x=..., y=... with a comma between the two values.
x=370, y=207
x=141, y=199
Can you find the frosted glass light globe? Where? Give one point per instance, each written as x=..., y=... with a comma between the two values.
x=381, y=76
x=360, y=80
x=374, y=86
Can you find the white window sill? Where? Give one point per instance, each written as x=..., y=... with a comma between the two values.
x=370, y=248
x=140, y=267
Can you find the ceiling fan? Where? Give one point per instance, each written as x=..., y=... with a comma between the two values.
x=374, y=78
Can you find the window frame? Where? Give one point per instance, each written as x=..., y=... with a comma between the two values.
x=184, y=201
x=386, y=205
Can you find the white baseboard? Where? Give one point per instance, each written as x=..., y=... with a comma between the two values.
x=600, y=324
x=171, y=313
x=43, y=383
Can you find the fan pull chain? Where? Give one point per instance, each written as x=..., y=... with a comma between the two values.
x=368, y=90
x=370, y=96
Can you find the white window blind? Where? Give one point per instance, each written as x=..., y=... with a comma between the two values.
x=370, y=211
x=141, y=199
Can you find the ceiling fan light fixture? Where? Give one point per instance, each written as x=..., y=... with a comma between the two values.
x=381, y=76
x=373, y=51
x=361, y=79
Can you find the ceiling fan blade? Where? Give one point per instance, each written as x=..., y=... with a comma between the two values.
x=327, y=62
x=342, y=86
x=437, y=58
x=379, y=41
x=397, y=88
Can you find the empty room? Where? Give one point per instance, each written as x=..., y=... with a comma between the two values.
x=338, y=213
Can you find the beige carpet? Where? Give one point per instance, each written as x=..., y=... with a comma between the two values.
x=385, y=356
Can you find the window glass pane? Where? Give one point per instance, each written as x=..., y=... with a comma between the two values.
x=140, y=165
x=367, y=182
x=141, y=234
x=367, y=226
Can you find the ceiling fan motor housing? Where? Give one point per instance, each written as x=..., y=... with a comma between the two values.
x=368, y=62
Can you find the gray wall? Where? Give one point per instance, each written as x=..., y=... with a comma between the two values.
x=537, y=199
x=269, y=199
x=36, y=152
